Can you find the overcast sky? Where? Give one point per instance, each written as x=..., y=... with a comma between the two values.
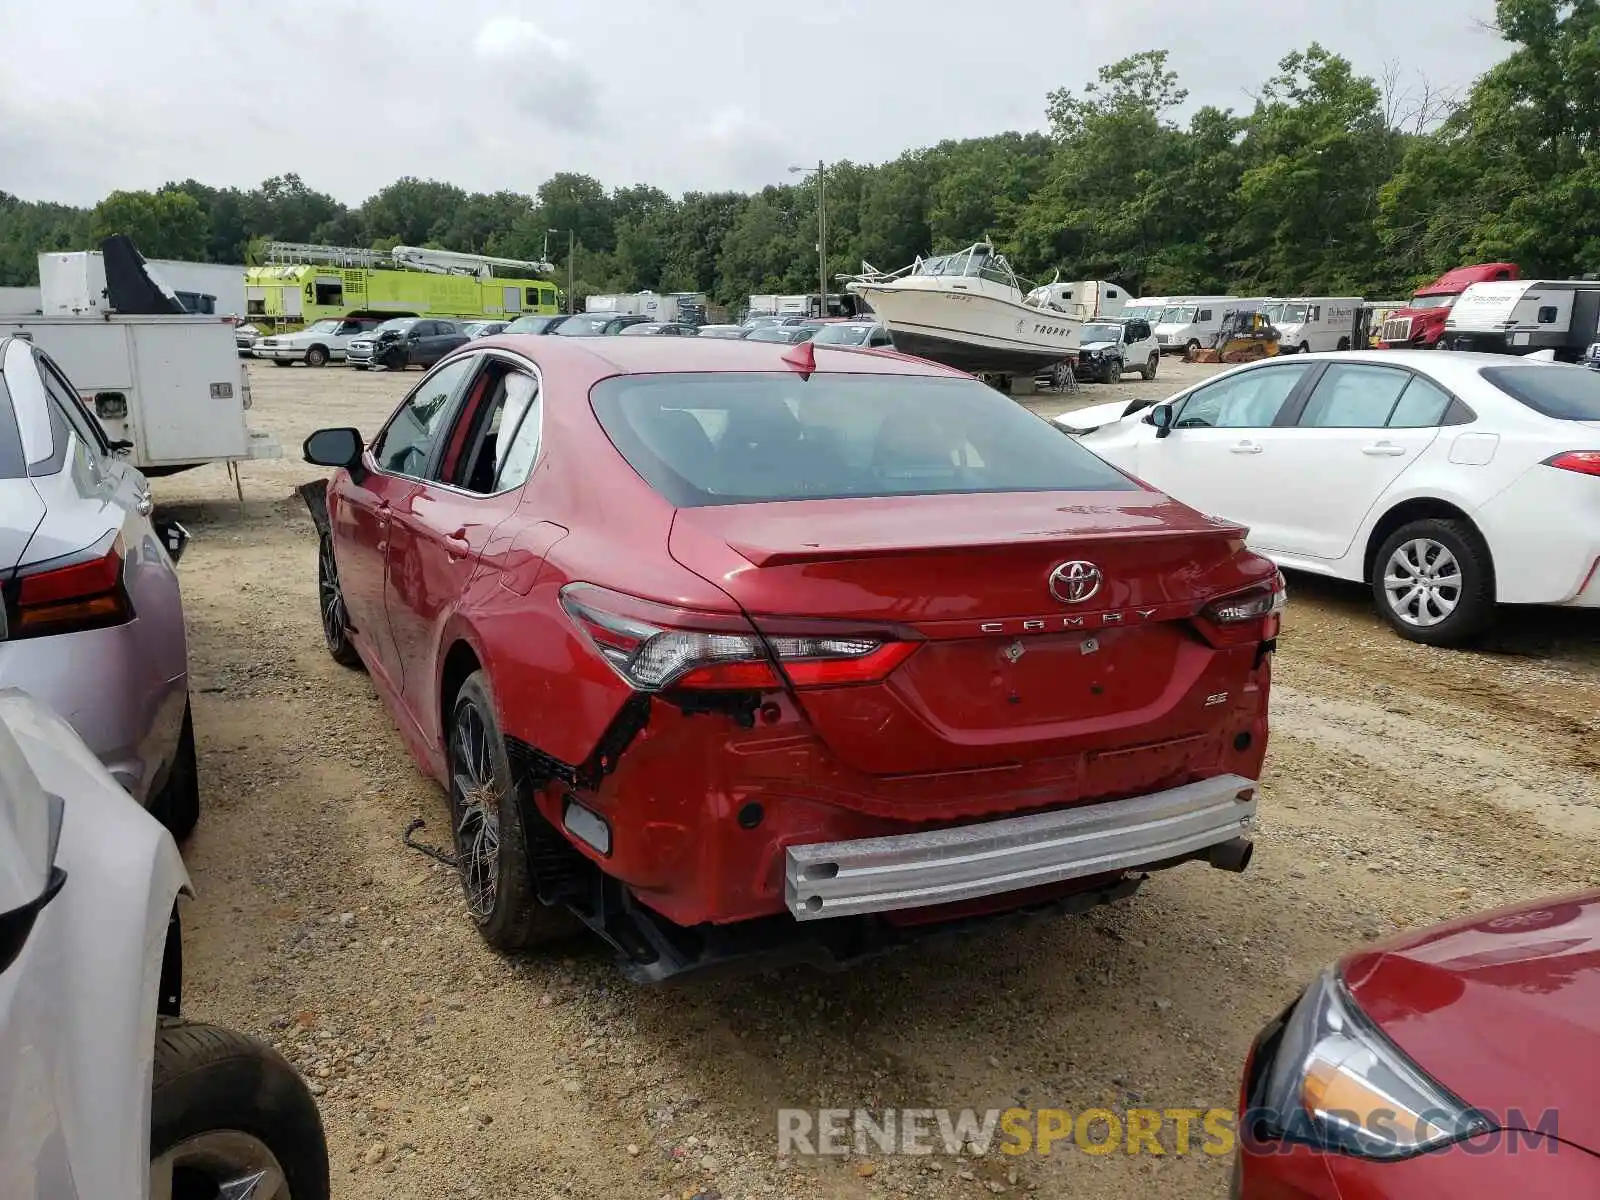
x=684, y=94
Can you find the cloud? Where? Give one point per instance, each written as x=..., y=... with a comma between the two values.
x=743, y=147
x=542, y=77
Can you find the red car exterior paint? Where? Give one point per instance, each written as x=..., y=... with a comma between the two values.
x=995, y=698
x=1420, y=324
x=1503, y=1010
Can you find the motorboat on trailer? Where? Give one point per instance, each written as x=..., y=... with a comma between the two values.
x=970, y=311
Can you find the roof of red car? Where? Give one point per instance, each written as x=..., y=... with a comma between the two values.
x=629, y=356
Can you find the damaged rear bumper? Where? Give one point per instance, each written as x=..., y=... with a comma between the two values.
x=967, y=862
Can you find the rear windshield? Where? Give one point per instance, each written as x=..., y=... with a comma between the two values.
x=731, y=438
x=1567, y=393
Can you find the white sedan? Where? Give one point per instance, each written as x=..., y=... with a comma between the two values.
x=1448, y=482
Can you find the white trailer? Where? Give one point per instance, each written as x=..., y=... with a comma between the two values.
x=1526, y=316
x=1313, y=324
x=21, y=300
x=628, y=304
x=170, y=390
x=1087, y=299
x=73, y=283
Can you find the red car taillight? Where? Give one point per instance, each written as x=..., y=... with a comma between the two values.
x=653, y=646
x=85, y=595
x=1253, y=615
x=1584, y=462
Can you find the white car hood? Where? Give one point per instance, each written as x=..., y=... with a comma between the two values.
x=1082, y=420
x=1098, y=345
x=78, y=1007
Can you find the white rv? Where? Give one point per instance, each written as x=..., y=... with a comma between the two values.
x=1313, y=324
x=73, y=284
x=1190, y=323
x=1526, y=315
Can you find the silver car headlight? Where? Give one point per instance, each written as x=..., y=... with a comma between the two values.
x=1338, y=1083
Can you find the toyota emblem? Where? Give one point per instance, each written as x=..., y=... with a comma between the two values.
x=1074, y=582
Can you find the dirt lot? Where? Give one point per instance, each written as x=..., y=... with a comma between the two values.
x=1403, y=785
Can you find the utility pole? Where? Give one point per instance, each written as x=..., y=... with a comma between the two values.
x=571, y=274
x=822, y=232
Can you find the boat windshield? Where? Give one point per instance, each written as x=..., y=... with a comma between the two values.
x=980, y=261
x=1178, y=314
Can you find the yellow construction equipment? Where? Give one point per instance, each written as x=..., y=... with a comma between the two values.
x=1243, y=337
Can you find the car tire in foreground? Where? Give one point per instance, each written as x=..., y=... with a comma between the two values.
x=1433, y=580
x=225, y=1111
x=490, y=837
x=330, y=602
x=316, y=357
x=178, y=804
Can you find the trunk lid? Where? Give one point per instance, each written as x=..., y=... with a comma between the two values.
x=1008, y=670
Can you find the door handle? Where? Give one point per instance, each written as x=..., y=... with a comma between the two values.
x=456, y=544
x=1383, y=450
x=1245, y=448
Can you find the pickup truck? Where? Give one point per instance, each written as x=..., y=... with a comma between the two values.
x=317, y=344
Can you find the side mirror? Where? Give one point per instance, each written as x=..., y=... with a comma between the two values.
x=334, y=448
x=1161, y=417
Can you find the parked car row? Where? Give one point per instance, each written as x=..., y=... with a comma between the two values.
x=103, y=1085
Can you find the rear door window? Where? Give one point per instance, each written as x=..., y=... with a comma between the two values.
x=728, y=438
x=1566, y=393
x=1350, y=396
x=1423, y=404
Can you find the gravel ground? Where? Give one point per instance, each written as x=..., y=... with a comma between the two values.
x=1404, y=785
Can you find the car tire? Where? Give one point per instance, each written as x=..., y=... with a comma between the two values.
x=486, y=815
x=280, y=362
x=1113, y=371
x=1426, y=551
x=317, y=356
x=178, y=804
x=224, y=1107
x=330, y=607
x=1344, y=343
x=1148, y=371
x=1304, y=348
x=1191, y=350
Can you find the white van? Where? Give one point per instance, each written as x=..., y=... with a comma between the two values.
x=1190, y=323
x=1146, y=308
x=1313, y=324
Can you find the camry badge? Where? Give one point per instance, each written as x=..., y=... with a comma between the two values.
x=1074, y=582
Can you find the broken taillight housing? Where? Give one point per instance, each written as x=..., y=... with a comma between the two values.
x=68, y=599
x=654, y=647
x=1253, y=615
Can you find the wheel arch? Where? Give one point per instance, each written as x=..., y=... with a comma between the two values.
x=460, y=661
x=1417, y=508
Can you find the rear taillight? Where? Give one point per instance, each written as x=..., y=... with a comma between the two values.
x=1584, y=462
x=1251, y=615
x=654, y=647
x=69, y=599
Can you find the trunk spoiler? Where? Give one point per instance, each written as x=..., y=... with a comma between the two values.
x=767, y=556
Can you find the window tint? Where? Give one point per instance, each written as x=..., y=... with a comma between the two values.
x=1567, y=393
x=1547, y=314
x=1350, y=396
x=1205, y=314
x=1249, y=400
x=408, y=442
x=1422, y=404
x=702, y=439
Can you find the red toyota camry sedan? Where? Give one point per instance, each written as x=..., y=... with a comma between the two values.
x=740, y=649
x=1459, y=1062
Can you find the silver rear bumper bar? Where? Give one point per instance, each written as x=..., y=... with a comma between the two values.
x=942, y=866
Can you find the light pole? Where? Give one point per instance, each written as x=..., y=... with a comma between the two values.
x=820, y=170
x=570, y=241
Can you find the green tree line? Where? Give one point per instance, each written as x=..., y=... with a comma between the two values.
x=1332, y=183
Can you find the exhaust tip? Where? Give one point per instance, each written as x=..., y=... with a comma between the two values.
x=1233, y=855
